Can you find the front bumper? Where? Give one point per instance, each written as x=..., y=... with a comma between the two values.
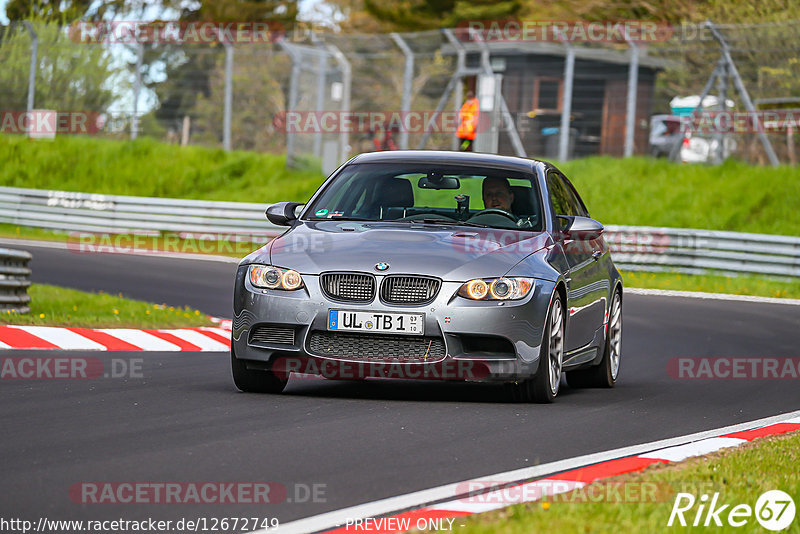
x=475, y=340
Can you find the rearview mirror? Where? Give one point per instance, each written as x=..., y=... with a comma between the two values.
x=283, y=213
x=437, y=181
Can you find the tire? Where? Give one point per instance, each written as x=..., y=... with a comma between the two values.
x=252, y=380
x=606, y=373
x=543, y=387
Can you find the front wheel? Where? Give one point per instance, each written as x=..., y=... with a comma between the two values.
x=254, y=380
x=544, y=386
x=604, y=375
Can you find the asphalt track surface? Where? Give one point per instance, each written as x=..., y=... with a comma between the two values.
x=185, y=422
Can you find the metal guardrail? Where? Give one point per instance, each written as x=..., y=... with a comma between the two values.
x=633, y=247
x=697, y=251
x=14, y=280
x=89, y=212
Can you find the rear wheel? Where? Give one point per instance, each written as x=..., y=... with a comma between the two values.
x=254, y=380
x=544, y=386
x=604, y=375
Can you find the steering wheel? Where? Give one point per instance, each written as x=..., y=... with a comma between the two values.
x=496, y=211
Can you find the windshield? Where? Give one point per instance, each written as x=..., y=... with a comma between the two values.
x=431, y=193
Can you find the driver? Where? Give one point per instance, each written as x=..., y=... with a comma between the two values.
x=497, y=194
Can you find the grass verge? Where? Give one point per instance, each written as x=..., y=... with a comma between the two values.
x=58, y=306
x=635, y=191
x=711, y=283
x=739, y=475
x=146, y=167
x=734, y=196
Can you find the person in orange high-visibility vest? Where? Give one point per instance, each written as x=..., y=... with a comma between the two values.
x=468, y=122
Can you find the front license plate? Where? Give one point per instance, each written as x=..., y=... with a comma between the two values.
x=380, y=322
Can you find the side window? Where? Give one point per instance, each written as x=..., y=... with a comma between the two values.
x=574, y=199
x=558, y=194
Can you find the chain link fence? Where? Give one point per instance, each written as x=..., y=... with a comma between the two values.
x=766, y=58
x=322, y=97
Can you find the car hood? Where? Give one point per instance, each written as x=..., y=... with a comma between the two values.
x=453, y=253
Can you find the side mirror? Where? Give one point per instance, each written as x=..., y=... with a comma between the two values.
x=283, y=213
x=582, y=228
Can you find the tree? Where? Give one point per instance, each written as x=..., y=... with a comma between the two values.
x=188, y=68
x=257, y=99
x=69, y=76
x=64, y=11
x=413, y=15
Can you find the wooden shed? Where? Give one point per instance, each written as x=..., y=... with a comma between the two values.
x=533, y=87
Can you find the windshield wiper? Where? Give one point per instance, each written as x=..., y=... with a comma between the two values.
x=450, y=222
x=343, y=218
x=427, y=220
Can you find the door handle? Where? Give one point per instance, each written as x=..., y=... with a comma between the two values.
x=596, y=255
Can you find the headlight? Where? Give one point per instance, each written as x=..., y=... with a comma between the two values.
x=270, y=277
x=496, y=288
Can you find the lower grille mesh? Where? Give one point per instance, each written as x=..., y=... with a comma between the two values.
x=376, y=347
x=272, y=334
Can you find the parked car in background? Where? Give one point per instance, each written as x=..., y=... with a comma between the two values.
x=667, y=130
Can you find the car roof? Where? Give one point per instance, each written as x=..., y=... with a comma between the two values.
x=448, y=157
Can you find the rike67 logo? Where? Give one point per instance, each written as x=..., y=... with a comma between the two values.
x=774, y=510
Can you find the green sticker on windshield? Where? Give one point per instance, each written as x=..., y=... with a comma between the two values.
x=321, y=213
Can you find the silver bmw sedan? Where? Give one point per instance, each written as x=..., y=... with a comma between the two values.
x=432, y=265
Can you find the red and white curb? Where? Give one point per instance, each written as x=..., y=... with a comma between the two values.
x=450, y=501
x=212, y=339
